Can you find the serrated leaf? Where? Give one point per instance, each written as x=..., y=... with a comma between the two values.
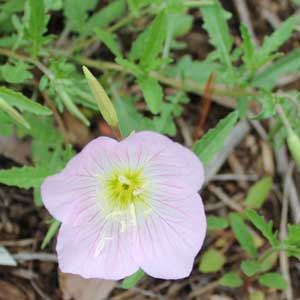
x=109, y=40
x=273, y=280
x=37, y=24
x=242, y=234
x=113, y=11
x=213, y=141
x=76, y=12
x=264, y=227
x=268, y=77
x=24, y=177
x=276, y=39
x=50, y=233
x=258, y=193
x=216, y=223
x=250, y=267
x=248, y=47
x=215, y=24
x=292, y=241
x=23, y=103
x=211, y=261
x=132, y=280
x=232, y=280
x=154, y=40
x=15, y=74
x=152, y=92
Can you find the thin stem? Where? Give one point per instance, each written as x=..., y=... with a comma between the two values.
x=284, y=118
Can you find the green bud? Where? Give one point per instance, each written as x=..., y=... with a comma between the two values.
x=294, y=147
x=104, y=103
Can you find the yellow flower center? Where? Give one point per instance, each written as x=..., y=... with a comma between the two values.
x=125, y=188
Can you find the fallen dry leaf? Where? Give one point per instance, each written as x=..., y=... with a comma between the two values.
x=15, y=149
x=9, y=291
x=74, y=287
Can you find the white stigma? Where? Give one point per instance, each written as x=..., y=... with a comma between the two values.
x=124, y=180
x=137, y=192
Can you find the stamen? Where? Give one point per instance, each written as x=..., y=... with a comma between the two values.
x=124, y=180
x=133, y=214
x=137, y=192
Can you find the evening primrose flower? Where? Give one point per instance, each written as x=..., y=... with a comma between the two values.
x=126, y=206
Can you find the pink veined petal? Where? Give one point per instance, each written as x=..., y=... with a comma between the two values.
x=70, y=196
x=161, y=157
x=76, y=248
x=171, y=236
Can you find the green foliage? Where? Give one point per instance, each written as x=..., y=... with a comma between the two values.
x=258, y=193
x=24, y=177
x=152, y=92
x=132, y=280
x=216, y=223
x=273, y=280
x=215, y=23
x=213, y=141
x=232, y=280
x=36, y=25
x=50, y=233
x=264, y=227
x=15, y=73
x=292, y=242
x=109, y=40
x=242, y=234
x=250, y=267
x=211, y=261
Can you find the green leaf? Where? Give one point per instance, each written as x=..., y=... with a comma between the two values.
x=13, y=113
x=216, y=223
x=152, y=92
x=268, y=102
x=213, y=141
x=215, y=24
x=132, y=280
x=242, y=234
x=129, y=118
x=15, y=73
x=50, y=233
x=24, y=177
x=277, y=39
x=72, y=108
x=154, y=40
x=23, y=103
x=36, y=25
x=211, y=261
x=232, y=280
x=264, y=227
x=287, y=64
x=250, y=267
x=109, y=40
x=273, y=280
x=110, y=13
x=248, y=47
x=258, y=193
x=76, y=12
x=292, y=241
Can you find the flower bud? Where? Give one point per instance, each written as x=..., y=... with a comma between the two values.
x=293, y=142
x=104, y=103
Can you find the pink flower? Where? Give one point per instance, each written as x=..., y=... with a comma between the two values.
x=128, y=205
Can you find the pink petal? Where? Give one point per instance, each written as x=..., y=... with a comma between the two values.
x=161, y=157
x=171, y=236
x=70, y=196
x=76, y=248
